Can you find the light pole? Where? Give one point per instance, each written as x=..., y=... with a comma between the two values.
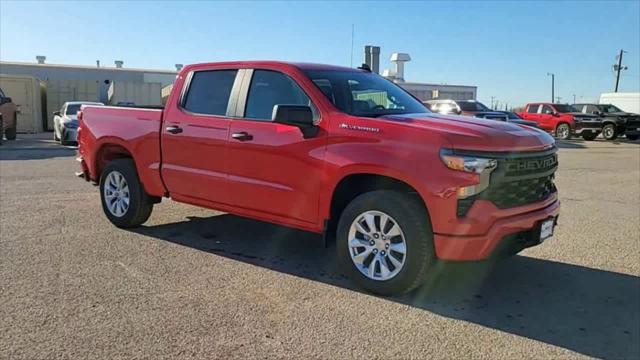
x=553, y=86
x=574, y=98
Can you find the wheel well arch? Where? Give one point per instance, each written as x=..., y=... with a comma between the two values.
x=353, y=185
x=108, y=153
x=563, y=122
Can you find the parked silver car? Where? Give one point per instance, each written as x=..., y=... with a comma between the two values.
x=65, y=121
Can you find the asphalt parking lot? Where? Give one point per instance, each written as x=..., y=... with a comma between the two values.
x=197, y=283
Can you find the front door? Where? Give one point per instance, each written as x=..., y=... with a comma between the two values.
x=547, y=118
x=272, y=168
x=194, y=137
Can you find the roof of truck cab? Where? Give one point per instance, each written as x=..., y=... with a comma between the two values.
x=299, y=65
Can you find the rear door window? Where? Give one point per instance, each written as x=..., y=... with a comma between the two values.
x=533, y=109
x=547, y=110
x=209, y=92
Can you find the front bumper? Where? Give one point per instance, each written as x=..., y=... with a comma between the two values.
x=478, y=247
x=69, y=134
x=587, y=127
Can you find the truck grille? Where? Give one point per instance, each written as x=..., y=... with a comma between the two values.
x=519, y=179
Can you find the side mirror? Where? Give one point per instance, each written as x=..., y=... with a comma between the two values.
x=300, y=116
x=5, y=100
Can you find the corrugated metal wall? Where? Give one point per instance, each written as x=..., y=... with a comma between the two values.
x=135, y=92
x=60, y=91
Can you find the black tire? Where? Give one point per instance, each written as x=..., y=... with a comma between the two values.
x=609, y=132
x=10, y=133
x=589, y=136
x=561, y=133
x=633, y=137
x=140, y=204
x=414, y=221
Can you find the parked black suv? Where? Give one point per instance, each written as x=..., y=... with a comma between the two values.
x=615, y=121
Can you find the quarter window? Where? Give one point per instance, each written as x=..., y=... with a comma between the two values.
x=209, y=92
x=270, y=88
x=533, y=109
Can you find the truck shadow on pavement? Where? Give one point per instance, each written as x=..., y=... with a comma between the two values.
x=589, y=311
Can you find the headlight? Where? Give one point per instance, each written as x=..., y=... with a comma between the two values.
x=469, y=164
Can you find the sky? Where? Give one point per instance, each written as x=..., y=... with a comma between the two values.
x=505, y=48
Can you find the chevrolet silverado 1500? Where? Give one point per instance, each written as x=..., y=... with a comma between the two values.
x=563, y=120
x=331, y=150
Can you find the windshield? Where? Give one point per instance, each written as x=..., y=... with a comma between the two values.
x=472, y=106
x=609, y=108
x=364, y=94
x=73, y=109
x=565, y=108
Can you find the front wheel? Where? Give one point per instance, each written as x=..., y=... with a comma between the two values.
x=609, y=132
x=124, y=201
x=385, y=242
x=563, y=131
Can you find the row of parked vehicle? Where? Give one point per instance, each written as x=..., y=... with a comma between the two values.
x=562, y=120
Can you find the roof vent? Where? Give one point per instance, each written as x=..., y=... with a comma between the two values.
x=399, y=59
x=41, y=59
x=119, y=63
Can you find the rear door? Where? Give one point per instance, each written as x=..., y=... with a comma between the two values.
x=272, y=168
x=531, y=113
x=194, y=135
x=547, y=119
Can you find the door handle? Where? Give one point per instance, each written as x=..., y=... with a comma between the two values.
x=242, y=136
x=174, y=129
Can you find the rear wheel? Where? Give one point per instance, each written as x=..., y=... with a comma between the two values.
x=589, y=136
x=10, y=133
x=563, y=131
x=123, y=199
x=385, y=242
x=609, y=132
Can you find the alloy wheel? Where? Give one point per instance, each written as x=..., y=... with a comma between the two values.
x=116, y=194
x=377, y=245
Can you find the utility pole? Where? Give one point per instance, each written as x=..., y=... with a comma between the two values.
x=553, y=86
x=574, y=98
x=353, y=30
x=558, y=99
x=618, y=68
x=493, y=97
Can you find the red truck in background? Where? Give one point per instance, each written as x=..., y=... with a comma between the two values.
x=564, y=121
x=330, y=150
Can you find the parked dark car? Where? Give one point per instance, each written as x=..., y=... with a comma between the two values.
x=515, y=119
x=616, y=121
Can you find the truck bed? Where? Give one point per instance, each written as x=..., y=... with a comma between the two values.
x=132, y=130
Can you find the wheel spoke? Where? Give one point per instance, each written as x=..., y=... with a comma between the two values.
x=393, y=260
x=361, y=257
x=394, y=231
x=384, y=268
x=361, y=229
x=399, y=247
x=383, y=222
x=372, y=267
x=370, y=220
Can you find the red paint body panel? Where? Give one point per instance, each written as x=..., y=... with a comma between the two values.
x=283, y=178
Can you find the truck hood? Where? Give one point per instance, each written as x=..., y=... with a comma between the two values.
x=470, y=133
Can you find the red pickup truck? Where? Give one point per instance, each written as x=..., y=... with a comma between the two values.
x=563, y=120
x=331, y=150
